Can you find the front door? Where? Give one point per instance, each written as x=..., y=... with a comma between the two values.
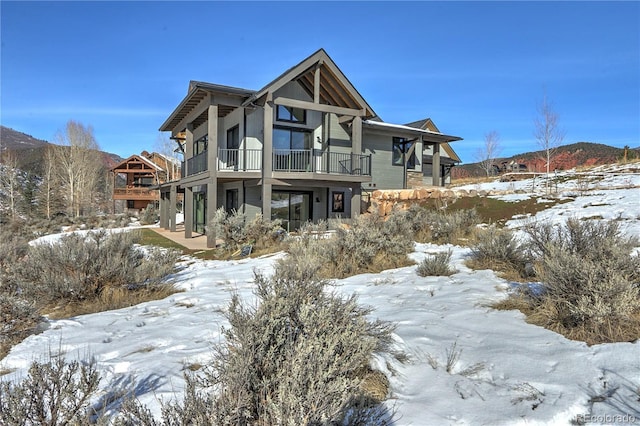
x=291, y=207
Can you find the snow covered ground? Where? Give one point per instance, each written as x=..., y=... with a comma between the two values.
x=508, y=372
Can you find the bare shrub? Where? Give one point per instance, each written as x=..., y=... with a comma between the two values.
x=296, y=359
x=78, y=268
x=440, y=226
x=436, y=265
x=498, y=249
x=591, y=281
x=53, y=393
x=149, y=215
x=18, y=319
x=236, y=230
x=370, y=244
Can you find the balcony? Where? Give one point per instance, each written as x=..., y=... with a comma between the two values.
x=284, y=160
x=135, y=193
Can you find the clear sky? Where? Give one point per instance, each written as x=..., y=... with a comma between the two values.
x=473, y=67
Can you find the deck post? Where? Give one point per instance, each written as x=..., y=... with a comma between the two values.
x=212, y=160
x=435, y=167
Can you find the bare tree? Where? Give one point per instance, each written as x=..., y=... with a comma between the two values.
x=487, y=153
x=167, y=149
x=79, y=165
x=547, y=132
x=48, y=192
x=10, y=186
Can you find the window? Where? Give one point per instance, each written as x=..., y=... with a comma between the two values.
x=200, y=145
x=233, y=138
x=291, y=139
x=232, y=200
x=400, y=148
x=338, y=202
x=291, y=114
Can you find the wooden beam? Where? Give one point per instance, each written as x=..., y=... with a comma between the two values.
x=195, y=113
x=316, y=84
x=295, y=103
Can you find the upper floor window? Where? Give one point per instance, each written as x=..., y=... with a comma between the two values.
x=291, y=114
x=201, y=145
x=233, y=138
x=401, y=147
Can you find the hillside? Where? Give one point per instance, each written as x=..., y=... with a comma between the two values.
x=567, y=157
x=31, y=150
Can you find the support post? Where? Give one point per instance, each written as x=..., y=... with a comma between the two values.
x=212, y=160
x=188, y=211
x=435, y=167
x=267, y=160
x=173, y=200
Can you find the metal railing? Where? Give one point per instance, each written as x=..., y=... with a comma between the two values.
x=197, y=164
x=284, y=160
x=240, y=160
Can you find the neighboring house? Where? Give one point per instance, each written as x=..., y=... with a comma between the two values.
x=302, y=148
x=136, y=179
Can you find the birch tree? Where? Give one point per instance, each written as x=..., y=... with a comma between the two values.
x=549, y=136
x=79, y=165
x=10, y=183
x=487, y=153
x=171, y=164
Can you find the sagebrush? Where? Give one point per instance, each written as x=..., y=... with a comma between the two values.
x=299, y=357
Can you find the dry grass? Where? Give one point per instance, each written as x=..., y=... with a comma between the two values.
x=110, y=299
x=592, y=333
x=375, y=385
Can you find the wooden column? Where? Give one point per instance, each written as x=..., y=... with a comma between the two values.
x=212, y=163
x=267, y=160
x=435, y=166
x=356, y=136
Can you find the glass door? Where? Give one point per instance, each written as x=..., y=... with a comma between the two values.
x=292, y=208
x=199, y=212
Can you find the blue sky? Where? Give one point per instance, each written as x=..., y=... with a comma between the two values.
x=473, y=67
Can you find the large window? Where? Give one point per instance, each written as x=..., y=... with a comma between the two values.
x=291, y=114
x=401, y=147
x=291, y=149
x=200, y=145
x=284, y=138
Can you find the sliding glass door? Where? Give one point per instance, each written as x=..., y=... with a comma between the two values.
x=291, y=207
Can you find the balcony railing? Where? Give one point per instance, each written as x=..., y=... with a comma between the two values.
x=284, y=160
x=240, y=160
x=197, y=164
x=135, y=193
x=307, y=160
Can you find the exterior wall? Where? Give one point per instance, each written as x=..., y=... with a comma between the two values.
x=252, y=201
x=254, y=127
x=384, y=175
x=339, y=139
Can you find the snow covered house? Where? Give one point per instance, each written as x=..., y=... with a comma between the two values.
x=306, y=146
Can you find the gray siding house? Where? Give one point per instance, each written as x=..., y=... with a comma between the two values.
x=305, y=147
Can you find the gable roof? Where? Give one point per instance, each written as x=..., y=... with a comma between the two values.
x=428, y=124
x=136, y=158
x=198, y=90
x=335, y=87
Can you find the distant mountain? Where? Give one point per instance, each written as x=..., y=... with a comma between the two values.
x=13, y=140
x=566, y=157
x=30, y=151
